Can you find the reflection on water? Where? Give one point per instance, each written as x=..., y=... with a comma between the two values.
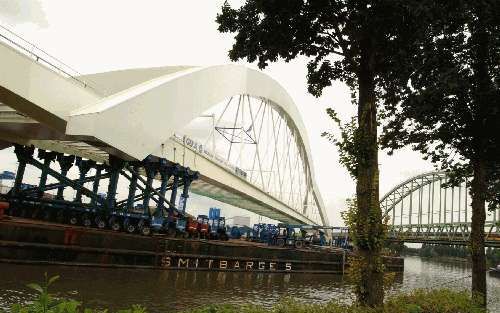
x=428, y=273
x=163, y=291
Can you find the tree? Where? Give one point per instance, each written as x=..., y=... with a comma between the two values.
x=351, y=41
x=449, y=106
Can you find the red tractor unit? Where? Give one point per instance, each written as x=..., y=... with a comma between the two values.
x=192, y=227
x=203, y=227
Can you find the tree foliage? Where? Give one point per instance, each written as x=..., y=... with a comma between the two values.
x=347, y=143
x=331, y=33
x=446, y=104
x=352, y=41
x=440, y=105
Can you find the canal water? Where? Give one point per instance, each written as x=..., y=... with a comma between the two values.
x=166, y=291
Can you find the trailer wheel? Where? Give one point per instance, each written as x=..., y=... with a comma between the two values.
x=143, y=227
x=73, y=219
x=280, y=242
x=100, y=222
x=129, y=225
x=130, y=228
x=114, y=223
x=146, y=230
x=299, y=244
x=86, y=220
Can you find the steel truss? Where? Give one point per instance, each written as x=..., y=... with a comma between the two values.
x=423, y=209
x=258, y=141
x=145, y=207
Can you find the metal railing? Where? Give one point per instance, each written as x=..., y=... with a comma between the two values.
x=25, y=47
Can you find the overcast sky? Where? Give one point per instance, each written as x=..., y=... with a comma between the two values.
x=96, y=36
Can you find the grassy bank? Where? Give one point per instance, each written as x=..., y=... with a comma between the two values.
x=418, y=301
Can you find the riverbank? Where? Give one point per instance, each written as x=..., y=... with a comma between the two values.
x=442, y=258
x=450, y=254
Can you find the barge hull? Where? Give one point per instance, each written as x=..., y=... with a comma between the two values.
x=27, y=241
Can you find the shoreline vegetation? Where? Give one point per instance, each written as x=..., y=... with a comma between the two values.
x=417, y=301
x=450, y=253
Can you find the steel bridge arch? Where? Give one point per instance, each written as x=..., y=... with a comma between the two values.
x=428, y=217
x=407, y=187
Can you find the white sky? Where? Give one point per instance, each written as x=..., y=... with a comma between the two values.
x=96, y=36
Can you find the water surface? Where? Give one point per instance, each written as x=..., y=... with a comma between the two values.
x=165, y=291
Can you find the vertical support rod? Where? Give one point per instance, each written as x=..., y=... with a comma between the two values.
x=445, y=205
x=65, y=163
x=452, y=202
x=429, y=204
x=150, y=175
x=466, y=206
x=19, y=176
x=432, y=202
x=132, y=189
x=420, y=200
x=115, y=167
x=47, y=158
x=459, y=203
x=402, y=199
x=83, y=166
x=165, y=176
x=394, y=211
x=173, y=195
x=411, y=204
x=185, y=193
x=95, y=184
x=440, y=196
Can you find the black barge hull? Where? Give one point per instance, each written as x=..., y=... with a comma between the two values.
x=34, y=242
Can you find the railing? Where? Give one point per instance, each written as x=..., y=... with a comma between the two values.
x=27, y=48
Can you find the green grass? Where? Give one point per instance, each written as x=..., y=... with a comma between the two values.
x=419, y=301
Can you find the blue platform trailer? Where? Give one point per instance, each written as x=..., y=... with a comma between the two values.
x=145, y=210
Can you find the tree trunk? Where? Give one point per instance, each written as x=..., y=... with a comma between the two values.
x=478, y=190
x=481, y=101
x=369, y=228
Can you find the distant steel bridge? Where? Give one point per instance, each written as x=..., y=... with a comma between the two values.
x=422, y=210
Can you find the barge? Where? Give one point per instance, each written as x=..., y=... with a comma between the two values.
x=139, y=231
x=38, y=242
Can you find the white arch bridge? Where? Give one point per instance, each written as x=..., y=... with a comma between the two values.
x=421, y=210
x=236, y=126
